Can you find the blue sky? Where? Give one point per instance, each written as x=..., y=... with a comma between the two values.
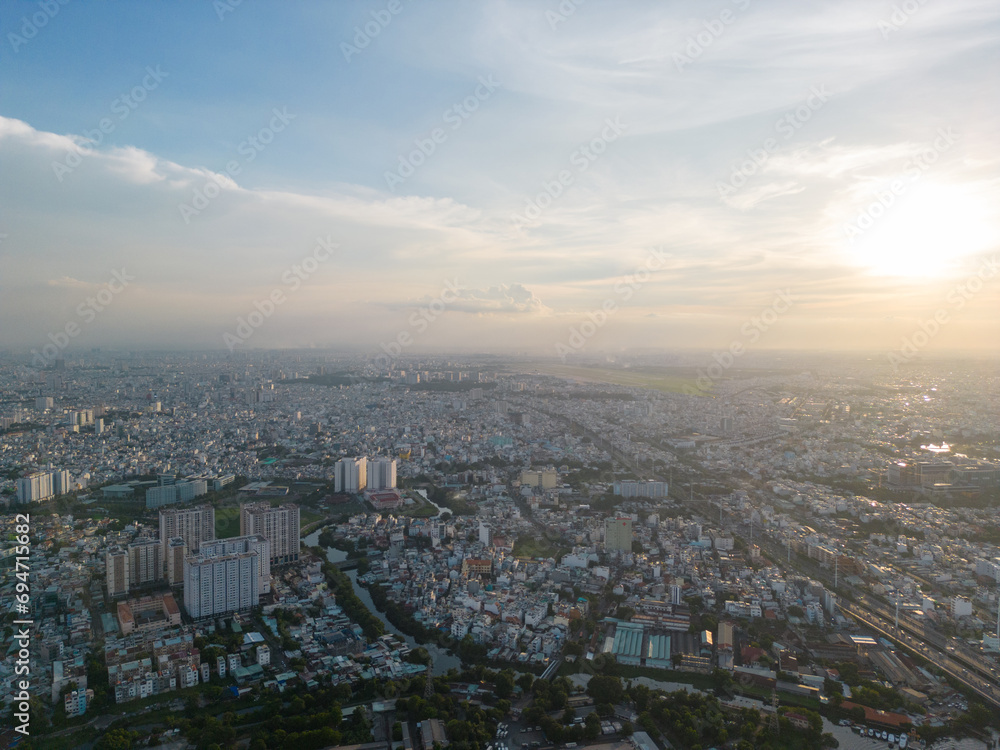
x=843, y=151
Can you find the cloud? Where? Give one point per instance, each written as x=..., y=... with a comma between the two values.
x=69, y=283
x=747, y=199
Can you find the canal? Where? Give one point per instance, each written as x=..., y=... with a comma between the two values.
x=443, y=660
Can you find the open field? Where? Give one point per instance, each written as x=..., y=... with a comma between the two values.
x=529, y=546
x=651, y=380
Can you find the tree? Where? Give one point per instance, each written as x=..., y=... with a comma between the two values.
x=504, y=684
x=116, y=739
x=605, y=689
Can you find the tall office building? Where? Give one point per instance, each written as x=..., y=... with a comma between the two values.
x=194, y=525
x=618, y=534
x=145, y=563
x=350, y=474
x=225, y=577
x=279, y=525
x=382, y=474
x=174, y=564
x=117, y=571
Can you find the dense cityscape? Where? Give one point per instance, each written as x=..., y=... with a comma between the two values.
x=500, y=375
x=215, y=536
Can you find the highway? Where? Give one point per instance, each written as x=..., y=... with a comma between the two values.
x=983, y=688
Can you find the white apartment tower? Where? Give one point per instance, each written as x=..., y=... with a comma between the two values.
x=350, y=474
x=279, y=525
x=226, y=576
x=382, y=474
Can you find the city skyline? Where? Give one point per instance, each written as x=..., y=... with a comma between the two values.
x=499, y=176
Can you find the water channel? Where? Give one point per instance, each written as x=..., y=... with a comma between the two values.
x=443, y=661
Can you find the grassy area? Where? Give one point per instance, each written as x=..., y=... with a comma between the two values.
x=422, y=509
x=227, y=522
x=309, y=517
x=650, y=380
x=529, y=546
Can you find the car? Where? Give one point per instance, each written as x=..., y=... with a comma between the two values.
x=885, y=735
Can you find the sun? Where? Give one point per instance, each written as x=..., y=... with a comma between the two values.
x=921, y=231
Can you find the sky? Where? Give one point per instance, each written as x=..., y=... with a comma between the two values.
x=574, y=178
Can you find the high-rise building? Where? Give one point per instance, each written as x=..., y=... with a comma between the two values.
x=485, y=534
x=279, y=525
x=117, y=571
x=36, y=487
x=382, y=474
x=60, y=482
x=174, y=565
x=194, y=525
x=145, y=562
x=226, y=576
x=350, y=474
x=618, y=534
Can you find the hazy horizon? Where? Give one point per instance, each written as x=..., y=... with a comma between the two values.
x=558, y=179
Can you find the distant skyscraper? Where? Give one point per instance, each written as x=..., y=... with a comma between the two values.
x=350, y=474
x=194, y=525
x=382, y=474
x=485, y=534
x=280, y=526
x=618, y=534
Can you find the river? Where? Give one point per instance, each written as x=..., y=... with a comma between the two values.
x=443, y=661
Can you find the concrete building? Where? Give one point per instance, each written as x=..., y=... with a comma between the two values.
x=174, y=566
x=194, y=525
x=279, y=525
x=225, y=577
x=618, y=535
x=350, y=474
x=145, y=563
x=116, y=561
x=381, y=474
